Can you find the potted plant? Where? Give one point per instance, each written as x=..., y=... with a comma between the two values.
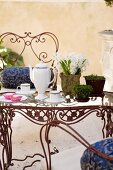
x=82, y=92
x=97, y=82
x=71, y=68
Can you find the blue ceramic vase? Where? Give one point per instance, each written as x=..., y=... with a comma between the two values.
x=14, y=76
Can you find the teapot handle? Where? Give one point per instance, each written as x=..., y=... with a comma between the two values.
x=55, y=74
x=31, y=74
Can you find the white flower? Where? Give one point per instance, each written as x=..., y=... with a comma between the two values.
x=3, y=50
x=58, y=57
x=72, y=63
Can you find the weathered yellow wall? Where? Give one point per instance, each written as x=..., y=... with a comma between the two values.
x=75, y=24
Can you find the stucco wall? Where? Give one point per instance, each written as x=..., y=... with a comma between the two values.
x=75, y=24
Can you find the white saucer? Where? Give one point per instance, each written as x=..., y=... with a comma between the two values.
x=60, y=100
x=2, y=99
x=41, y=97
x=25, y=93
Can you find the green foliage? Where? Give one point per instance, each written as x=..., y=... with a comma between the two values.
x=82, y=91
x=94, y=77
x=9, y=58
x=109, y=3
x=65, y=64
x=78, y=71
x=14, y=59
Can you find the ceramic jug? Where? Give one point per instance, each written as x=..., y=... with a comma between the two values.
x=40, y=75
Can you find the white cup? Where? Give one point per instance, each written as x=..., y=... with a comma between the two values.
x=55, y=95
x=25, y=88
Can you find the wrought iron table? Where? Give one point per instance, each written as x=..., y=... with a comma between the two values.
x=41, y=113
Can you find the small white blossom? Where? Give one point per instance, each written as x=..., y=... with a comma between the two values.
x=3, y=50
x=72, y=63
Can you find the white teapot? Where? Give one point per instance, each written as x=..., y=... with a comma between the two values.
x=40, y=75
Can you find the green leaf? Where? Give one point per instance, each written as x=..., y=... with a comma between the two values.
x=14, y=59
x=65, y=64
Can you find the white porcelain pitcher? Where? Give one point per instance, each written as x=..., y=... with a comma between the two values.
x=40, y=75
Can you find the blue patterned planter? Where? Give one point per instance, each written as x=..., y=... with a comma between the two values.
x=94, y=161
x=14, y=76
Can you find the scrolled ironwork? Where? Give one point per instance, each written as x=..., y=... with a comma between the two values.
x=6, y=136
x=43, y=114
x=28, y=40
x=76, y=114
x=38, y=160
x=73, y=133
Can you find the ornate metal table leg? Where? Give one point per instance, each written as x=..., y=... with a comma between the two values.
x=109, y=125
x=105, y=114
x=5, y=138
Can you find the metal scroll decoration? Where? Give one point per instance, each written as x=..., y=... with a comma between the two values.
x=6, y=117
x=73, y=115
x=28, y=40
x=43, y=115
x=45, y=130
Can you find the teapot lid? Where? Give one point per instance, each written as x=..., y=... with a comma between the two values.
x=41, y=65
